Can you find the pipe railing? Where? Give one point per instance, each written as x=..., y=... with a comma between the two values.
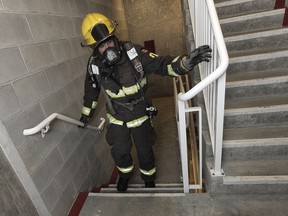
x=185, y=124
x=207, y=30
x=44, y=126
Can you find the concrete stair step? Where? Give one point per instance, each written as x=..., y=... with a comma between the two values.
x=234, y=8
x=250, y=75
x=140, y=188
x=257, y=87
x=257, y=143
x=252, y=22
x=270, y=60
x=244, y=44
x=256, y=116
x=264, y=101
x=251, y=177
x=234, y=136
x=255, y=148
x=259, y=167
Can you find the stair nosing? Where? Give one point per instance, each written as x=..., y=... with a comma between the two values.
x=232, y=2
x=242, y=143
x=255, y=110
x=144, y=189
x=258, y=56
x=159, y=185
x=255, y=82
x=127, y=194
x=273, y=179
x=247, y=36
x=252, y=16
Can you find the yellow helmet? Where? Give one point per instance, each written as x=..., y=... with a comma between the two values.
x=97, y=28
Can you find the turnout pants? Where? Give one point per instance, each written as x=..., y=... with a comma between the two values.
x=120, y=138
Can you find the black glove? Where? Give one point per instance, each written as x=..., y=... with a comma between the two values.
x=84, y=119
x=202, y=53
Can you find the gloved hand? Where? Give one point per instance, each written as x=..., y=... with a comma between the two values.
x=84, y=119
x=202, y=53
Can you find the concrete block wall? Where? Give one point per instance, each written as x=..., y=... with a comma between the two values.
x=161, y=21
x=42, y=70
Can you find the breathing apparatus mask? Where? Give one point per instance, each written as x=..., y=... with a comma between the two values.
x=112, y=54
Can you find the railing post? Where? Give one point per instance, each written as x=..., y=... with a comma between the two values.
x=220, y=95
x=183, y=144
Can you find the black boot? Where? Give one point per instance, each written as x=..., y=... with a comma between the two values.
x=122, y=184
x=149, y=184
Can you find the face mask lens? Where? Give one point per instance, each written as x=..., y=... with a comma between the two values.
x=111, y=56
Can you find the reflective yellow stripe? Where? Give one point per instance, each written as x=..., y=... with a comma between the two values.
x=149, y=172
x=127, y=90
x=94, y=104
x=131, y=89
x=137, y=122
x=153, y=55
x=126, y=170
x=171, y=72
x=113, y=120
x=86, y=110
x=113, y=95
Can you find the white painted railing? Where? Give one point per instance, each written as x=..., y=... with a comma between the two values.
x=44, y=127
x=206, y=30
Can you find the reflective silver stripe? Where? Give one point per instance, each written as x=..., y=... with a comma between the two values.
x=149, y=172
x=94, y=104
x=126, y=170
x=113, y=120
x=86, y=110
x=171, y=72
x=137, y=122
x=143, y=82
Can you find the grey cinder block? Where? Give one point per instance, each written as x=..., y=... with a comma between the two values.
x=14, y=30
x=9, y=104
x=21, y=121
x=42, y=27
x=37, y=56
x=54, y=102
x=12, y=65
x=57, y=75
x=31, y=155
x=51, y=6
x=20, y=5
x=32, y=88
x=61, y=50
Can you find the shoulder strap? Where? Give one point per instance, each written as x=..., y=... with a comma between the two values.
x=95, y=73
x=133, y=56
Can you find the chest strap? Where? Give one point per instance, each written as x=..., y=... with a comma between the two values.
x=130, y=105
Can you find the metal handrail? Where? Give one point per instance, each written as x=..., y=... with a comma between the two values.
x=224, y=59
x=207, y=30
x=43, y=126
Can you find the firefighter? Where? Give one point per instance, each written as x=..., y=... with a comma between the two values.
x=120, y=68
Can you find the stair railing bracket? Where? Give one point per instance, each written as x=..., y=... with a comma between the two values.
x=217, y=174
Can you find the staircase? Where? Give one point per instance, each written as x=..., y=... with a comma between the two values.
x=255, y=147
